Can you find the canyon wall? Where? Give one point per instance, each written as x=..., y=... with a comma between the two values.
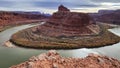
x=107, y=16
x=10, y=17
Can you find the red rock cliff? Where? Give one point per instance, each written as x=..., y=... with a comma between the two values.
x=66, y=23
x=9, y=18
x=70, y=19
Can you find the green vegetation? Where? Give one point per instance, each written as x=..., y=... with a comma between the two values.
x=27, y=38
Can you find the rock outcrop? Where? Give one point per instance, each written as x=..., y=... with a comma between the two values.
x=66, y=23
x=62, y=8
x=53, y=60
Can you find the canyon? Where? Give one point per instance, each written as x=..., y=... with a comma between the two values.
x=66, y=30
x=107, y=16
x=81, y=33
x=12, y=18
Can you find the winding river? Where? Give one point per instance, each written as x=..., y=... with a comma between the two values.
x=12, y=56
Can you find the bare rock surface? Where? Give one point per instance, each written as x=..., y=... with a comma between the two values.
x=52, y=59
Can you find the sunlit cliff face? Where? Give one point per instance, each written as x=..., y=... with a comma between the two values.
x=50, y=6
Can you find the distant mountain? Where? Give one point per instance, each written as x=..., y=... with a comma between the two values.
x=33, y=12
x=105, y=11
x=107, y=16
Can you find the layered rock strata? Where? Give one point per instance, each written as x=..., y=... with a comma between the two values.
x=8, y=18
x=107, y=16
x=66, y=23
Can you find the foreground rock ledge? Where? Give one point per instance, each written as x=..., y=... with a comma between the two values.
x=52, y=59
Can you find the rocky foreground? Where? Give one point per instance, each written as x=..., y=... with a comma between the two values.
x=52, y=59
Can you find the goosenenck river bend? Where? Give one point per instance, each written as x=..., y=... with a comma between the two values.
x=12, y=56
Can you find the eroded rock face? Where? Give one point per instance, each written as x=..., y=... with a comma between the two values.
x=12, y=18
x=107, y=16
x=62, y=8
x=53, y=60
x=70, y=19
x=66, y=18
x=66, y=23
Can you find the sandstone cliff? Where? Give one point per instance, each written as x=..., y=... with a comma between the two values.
x=111, y=16
x=10, y=18
x=66, y=23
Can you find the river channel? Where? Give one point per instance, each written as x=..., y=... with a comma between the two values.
x=12, y=56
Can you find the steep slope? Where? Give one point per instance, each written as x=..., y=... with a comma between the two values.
x=12, y=18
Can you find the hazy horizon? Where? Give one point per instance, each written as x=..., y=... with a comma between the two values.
x=48, y=6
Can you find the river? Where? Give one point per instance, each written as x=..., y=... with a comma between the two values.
x=12, y=56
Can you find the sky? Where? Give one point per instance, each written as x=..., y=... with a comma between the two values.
x=50, y=6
